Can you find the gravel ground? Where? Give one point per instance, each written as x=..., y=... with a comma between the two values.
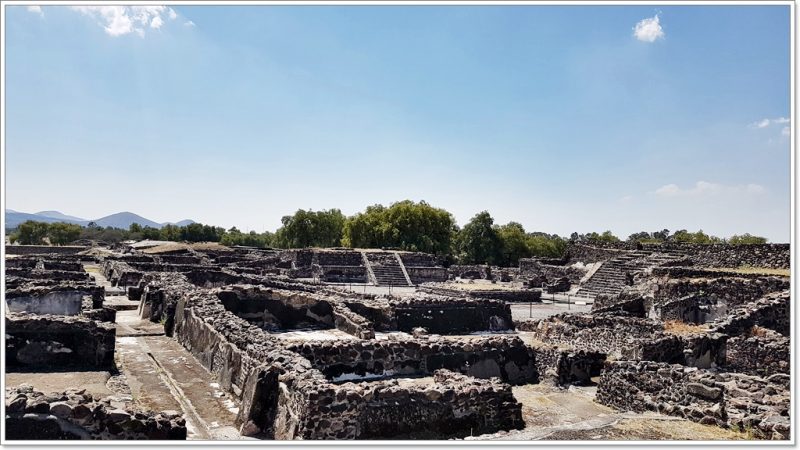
x=545, y=310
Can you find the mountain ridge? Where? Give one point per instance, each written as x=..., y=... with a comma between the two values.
x=122, y=219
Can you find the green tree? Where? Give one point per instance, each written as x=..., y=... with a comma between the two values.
x=543, y=245
x=699, y=237
x=405, y=225
x=63, y=233
x=311, y=229
x=746, y=239
x=135, y=228
x=31, y=232
x=479, y=242
x=514, y=244
x=151, y=233
x=170, y=233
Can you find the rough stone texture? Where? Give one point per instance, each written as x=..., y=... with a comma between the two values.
x=620, y=337
x=74, y=414
x=764, y=354
x=475, y=272
x=774, y=256
x=733, y=291
x=624, y=304
x=285, y=397
x=42, y=274
x=536, y=269
x=42, y=250
x=58, y=342
x=120, y=273
x=482, y=357
x=506, y=295
x=746, y=403
x=771, y=312
x=443, y=315
x=565, y=366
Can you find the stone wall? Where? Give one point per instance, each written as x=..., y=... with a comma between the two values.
x=341, y=274
x=449, y=315
x=586, y=253
x=338, y=258
x=732, y=291
x=738, y=401
x=58, y=342
x=537, y=273
x=506, y=295
x=420, y=260
x=59, y=299
x=75, y=414
x=482, y=357
x=773, y=256
x=419, y=275
x=474, y=272
x=121, y=273
x=689, y=309
x=771, y=312
x=764, y=354
x=41, y=274
x=452, y=406
x=619, y=337
x=565, y=366
x=285, y=398
x=42, y=250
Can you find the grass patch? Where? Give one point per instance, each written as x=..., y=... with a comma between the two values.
x=751, y=270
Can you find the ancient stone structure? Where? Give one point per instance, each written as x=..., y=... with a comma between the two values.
x=74, y=414
x=58, y=341
x=305, y=357
x=743, y=402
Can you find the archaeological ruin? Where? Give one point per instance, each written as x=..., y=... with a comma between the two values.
x=172, y=341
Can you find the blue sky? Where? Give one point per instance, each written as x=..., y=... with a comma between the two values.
x=563, y=118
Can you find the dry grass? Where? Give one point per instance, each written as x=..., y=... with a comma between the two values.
x=173, y=246
x=751, y=270
x=759, y=331
x=683, y=329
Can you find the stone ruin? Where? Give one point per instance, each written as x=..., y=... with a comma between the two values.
x=56, y=321
x=306, y=358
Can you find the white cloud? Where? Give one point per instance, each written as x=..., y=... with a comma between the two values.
x=36, y=9
x=189, y=23
x=648, y=30
x=760, y=124
x=786, y=131
x=705, y=188
x=764, y=123
x=121, y=20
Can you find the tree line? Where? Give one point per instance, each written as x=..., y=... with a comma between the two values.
x=405, y=225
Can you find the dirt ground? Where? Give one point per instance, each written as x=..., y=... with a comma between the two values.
x=553, y=413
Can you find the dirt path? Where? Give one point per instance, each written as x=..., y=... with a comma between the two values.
x=162, y=375
x=552, y=413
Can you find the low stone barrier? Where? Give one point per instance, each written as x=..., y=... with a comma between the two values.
x=738, y=401
x=74, y=414
x=58, y=342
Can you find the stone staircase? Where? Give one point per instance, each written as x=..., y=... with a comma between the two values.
x=385, y=269
x=609, y=279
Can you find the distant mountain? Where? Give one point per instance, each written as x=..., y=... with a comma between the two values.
x=14, y=218
x=182, y=223
x=118, y=220
x=61, y=216
x=124, y=220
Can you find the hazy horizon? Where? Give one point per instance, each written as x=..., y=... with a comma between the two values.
x=563, y=118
